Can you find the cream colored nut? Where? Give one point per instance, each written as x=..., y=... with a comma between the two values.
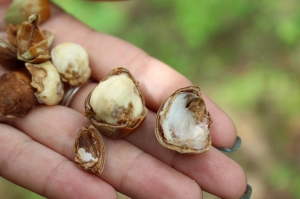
x=46, y=79
x=72, y=62
x=115, y=96
x=116, y=107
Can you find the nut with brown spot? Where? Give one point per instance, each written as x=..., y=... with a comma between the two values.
x=72, y=62
x=116, y=106
x=46, y=79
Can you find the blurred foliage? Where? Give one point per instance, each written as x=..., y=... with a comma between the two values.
x=243, y=54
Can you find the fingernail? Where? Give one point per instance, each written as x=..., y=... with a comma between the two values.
x=235, y=147
x=248, y=193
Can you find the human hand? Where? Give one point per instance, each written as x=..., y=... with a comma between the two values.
x=36, y=152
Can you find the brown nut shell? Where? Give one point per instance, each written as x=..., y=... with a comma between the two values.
x=126, y=126
x=17, y=94
x=183, y=123
x=89, y=149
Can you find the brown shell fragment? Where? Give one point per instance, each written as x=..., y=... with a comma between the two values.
x=89, y=149
x=183, y=123
x=126, y=122
x=8, y=56
x=31, y=42
x=17, y=94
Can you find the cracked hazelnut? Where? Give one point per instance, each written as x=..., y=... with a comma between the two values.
x=46, y=80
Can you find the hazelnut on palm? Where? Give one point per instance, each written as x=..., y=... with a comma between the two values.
x=116, y=106
x=17, y=95
x=72, y=62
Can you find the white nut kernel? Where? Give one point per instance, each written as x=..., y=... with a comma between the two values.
x=46, y=79
x=72, y=62
x=115, y=99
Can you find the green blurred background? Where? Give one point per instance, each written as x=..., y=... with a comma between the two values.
x=243, y=54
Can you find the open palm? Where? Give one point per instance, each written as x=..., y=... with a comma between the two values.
x=36, y=152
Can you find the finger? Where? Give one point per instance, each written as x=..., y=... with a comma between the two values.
x=127, y=168
x=210, y=170
x=37, y=168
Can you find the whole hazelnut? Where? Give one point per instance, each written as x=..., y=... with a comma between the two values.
x=72, y=62
x=17, y=95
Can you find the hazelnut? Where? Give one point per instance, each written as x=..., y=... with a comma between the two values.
x=17, y=95
x=183, y=123
x=72, y=62
x=46, y=80
x=116, y=106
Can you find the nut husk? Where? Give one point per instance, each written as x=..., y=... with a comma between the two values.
x=8, y=56
x=32, y=44
x=17, y=94
x=183, y=123
x=89, y=149
x=125, y=123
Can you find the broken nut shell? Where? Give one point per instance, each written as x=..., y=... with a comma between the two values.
x=183, y=123
x=89, y=149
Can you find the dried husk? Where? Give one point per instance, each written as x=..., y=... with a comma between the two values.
x=12, y=31
x=20, y=10
x=17, y=95
x=31, y=42
x=8, y=56
x=201, y=115
x=91, y=141
x=117, y=131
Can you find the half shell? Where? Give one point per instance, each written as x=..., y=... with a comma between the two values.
x=183, y=123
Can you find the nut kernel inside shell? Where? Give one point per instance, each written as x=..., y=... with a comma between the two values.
x=180, y=125
x=116, y=100
x=182, y=122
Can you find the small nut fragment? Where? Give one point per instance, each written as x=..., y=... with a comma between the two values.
x=89, y=149
x=116, y=106
x=17, y=95
x=183, y=123
x=72, y=62
x=46, y=80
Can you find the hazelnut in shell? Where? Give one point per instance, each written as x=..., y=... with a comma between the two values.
x=183, y=123
x=116, y=106
x=17, y=95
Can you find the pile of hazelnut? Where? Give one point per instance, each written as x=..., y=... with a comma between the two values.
x=115, y=108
